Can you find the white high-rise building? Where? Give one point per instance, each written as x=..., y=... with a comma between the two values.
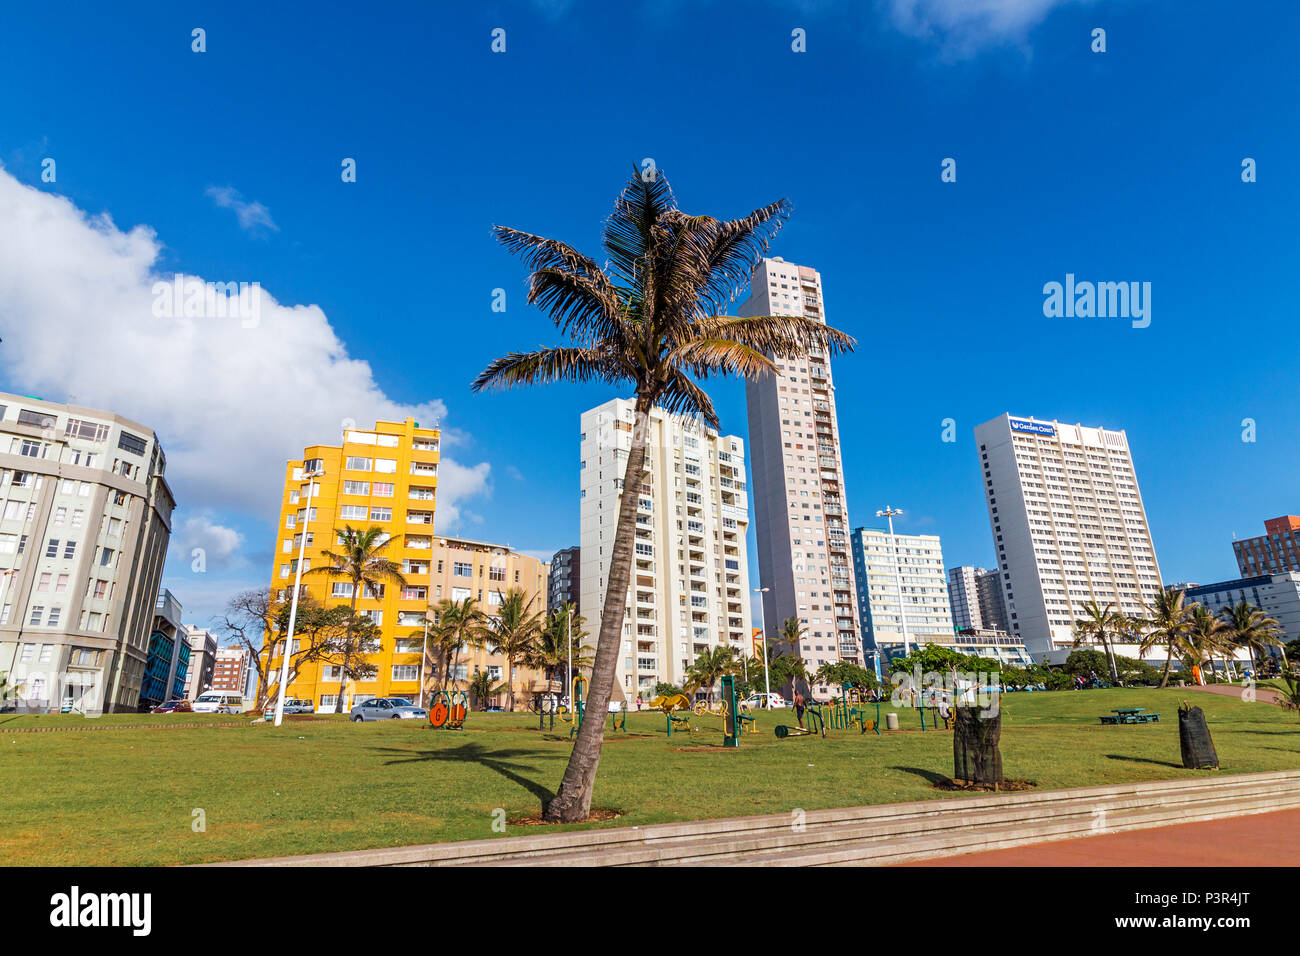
x=963, y=595
x=914, y=563
x=690, y=579
x=1068, y=525
x=799, y=504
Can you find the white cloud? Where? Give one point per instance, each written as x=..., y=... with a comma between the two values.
x=962, y=27
x=253, y=216
x=230, y=403
x=220, y=545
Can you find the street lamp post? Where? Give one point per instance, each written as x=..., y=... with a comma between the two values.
x=293, y=607
x=568, y=627
x=890, y=514
x=424, y=653
x=767, y=680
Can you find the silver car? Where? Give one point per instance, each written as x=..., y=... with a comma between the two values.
x=388, y=708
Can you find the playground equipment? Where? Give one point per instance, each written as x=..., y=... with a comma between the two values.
x=449, y=710
x=618, y=718
x=574, y=716
x=672, y=702
x=816, y=721
x=734, y=723
x=850, y=710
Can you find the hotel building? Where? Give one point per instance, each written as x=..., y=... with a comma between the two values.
x=85, y=518
x=878, y=564
x=1275, y=551
x=690, y=580
x=799, y=503
x=386, y=477
x=1277, y=595
x=1068, y=525
x=975, y=595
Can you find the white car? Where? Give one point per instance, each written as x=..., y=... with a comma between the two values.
x=219, y=702
x=764, y=702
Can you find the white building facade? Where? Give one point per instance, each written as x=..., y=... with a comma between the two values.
x=800, y=506
x=883, y=563
x=690, y=579
x=1068, y=525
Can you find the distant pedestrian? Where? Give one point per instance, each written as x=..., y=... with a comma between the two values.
x=799, y=705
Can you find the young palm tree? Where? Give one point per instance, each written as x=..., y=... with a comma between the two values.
x=1166, y=625
x=551, y=652
x=457, y=625
x=1100, y=625
x=709, y=668
x=513, y=633
x=648, y=320
x=360, y=560
x=481, y=689
x=1206, y=636
x=1247, y=626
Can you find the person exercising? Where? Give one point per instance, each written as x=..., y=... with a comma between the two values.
x=799, y=705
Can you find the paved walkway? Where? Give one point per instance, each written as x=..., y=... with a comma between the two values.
x=1261, y=839
x=1265, y=695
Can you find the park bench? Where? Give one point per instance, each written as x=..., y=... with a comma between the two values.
x=1130, y=715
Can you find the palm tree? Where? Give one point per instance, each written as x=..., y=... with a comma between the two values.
x=480, y=687
x=1206, y=636
x=551, y=651
x=1247, y=626
x=1100, y=625
x=360, y=561
x=457, y=625
x=513, y=633
x=710, y=667
x=1166, y=625
x=648, y=319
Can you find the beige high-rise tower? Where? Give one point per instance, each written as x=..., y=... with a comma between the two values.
x=798, y=480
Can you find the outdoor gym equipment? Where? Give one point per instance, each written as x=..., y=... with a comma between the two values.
x=850, y=710
x=579, y=708
x=449, y=710
x=669, y=703
x=618, y=718
x=734, y=723
x=815, y=720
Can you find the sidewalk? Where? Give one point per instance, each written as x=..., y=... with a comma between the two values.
x=1264, y=839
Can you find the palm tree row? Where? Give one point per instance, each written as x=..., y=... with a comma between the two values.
x=1190, y=632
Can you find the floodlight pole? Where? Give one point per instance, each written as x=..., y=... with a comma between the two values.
x=767, y=679
x=889, y=513
x=293, y=607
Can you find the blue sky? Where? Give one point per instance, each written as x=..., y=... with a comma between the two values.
x=1123, y=165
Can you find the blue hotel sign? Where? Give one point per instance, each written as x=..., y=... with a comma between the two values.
x=1034, y=428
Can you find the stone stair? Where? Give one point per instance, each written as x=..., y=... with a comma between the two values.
x=859, y=836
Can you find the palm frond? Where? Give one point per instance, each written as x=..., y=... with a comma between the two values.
x=680, y=396
x=547, y=365
x=782, y=336
x=706, y=357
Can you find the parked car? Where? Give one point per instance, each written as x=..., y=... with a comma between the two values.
x=388, y=708
x=294, y=705
x=764, y=702
x=219, y=702
x=173, y=707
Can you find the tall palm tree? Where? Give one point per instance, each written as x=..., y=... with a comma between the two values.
x=1100, y=625
x=513, y=633
x=649, y=320
x=457, y=626
x=1206, y=636
x=359, y=558
x=1166, y=625
x=710, y=667
x=1249, y=627
x=794, y=667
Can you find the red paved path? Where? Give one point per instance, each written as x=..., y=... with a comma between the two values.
x=1261, y=839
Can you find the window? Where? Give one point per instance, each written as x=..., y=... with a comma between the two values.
x=29, y=651
x=341, y=589
x=38, y=611
x=78, y=515
x=132, y=443
x=8, y=543
x=55, y=614
x=381, y=514
x=86, y=431
x=383, y=489
x=459, y=594
x=101, y=588
x=406, y=672
x=70, y=549
x=414, y=594
x=37, y=419
x=461, y=569
x=356, y=487
x=355, y=512
x=357, y=464
x=52, y=548
x=31, y=449
x=421, y=494
x=386, y=466
x=44, y=583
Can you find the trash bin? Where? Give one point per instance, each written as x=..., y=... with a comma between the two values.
x=891, y=721
x=1194, y=739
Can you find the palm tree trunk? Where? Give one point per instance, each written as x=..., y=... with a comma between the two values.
x=573, y=801
x=1169, y=663
x=347, y=650
x=1110, y=659
x=510, y=681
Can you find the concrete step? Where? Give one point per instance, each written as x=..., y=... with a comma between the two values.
x=857, y=835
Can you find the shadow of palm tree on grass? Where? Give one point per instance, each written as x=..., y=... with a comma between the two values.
x=929, y=775
x=504, y=762
x=1158, y=763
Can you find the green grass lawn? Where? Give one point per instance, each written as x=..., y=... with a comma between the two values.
x=127, y=796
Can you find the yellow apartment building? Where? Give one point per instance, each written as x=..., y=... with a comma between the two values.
x=388, y=477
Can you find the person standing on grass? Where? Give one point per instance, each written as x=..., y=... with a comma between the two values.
x=799, y=705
